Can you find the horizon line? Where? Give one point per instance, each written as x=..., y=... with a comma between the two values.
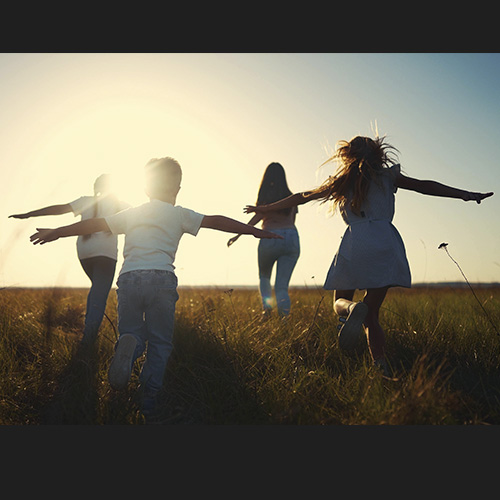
x=422, y=284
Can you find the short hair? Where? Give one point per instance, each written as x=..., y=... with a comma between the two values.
x=163, y=174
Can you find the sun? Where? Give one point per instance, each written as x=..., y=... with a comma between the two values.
x=128, y=186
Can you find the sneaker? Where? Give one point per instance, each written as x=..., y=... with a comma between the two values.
x=121, y=366
x=352, y=329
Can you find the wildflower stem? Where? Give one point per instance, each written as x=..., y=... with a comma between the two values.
x=471, y=289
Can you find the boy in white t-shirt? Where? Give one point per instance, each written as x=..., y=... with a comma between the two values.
x=147, y=285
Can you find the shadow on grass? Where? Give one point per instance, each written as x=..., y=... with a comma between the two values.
x=203, y=385
x=76, y=398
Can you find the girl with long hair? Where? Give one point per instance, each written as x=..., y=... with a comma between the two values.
x=282, y=252
x=371, y=255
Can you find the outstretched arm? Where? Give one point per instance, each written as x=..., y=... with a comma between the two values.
x=290, y=201
x=434, y=188
x=88, y=226
x=51, y=210
x=228, y=225
x=254, y=220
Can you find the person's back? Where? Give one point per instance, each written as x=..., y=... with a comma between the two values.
x=152, y=234
x=379, y=203
x=282, y=255
x=103, y=242
x=279, y=219
x=147, y=284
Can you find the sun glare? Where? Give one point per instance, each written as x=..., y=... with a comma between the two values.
x=129, y=187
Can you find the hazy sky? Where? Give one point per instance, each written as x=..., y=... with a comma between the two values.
x=67, y=118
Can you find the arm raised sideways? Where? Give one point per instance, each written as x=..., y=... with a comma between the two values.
x=89, y=226
x=254, y=220
x=51, y=210
x=434, y=188
x=228, y=225
x=290, y=201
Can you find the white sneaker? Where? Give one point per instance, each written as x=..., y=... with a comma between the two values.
x=352, y=329
x=121, y=365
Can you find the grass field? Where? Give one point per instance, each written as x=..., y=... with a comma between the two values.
x=229, y=367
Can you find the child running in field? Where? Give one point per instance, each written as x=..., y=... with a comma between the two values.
x=284, y=253
x=371, y=255
x=147, y=285
x=97, y=252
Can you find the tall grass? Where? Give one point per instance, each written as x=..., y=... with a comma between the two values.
x=229, y=366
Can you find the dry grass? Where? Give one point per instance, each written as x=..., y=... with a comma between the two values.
x=230, y=367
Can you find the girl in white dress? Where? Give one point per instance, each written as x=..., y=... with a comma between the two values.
x=371, y=255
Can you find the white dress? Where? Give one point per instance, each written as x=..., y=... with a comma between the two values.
x=371, y=253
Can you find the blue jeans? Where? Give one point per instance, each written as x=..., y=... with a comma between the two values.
x=101, y=271
x=146, y=310
x=285, y=254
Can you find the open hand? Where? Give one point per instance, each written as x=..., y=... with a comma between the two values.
x=43, y=236
x=477, y=197
x=232, y=240
x=251, y=208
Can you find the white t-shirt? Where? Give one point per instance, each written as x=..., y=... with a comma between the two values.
x=103, y=243
x=152, y=234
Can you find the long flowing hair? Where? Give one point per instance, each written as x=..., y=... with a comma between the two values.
x=274, y=186
x=360, y=161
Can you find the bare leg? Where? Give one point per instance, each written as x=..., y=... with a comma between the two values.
x=374, y=298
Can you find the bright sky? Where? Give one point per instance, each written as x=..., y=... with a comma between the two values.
x=67, y=118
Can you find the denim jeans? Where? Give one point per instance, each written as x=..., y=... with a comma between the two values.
x=285, y=254
x=101, y=271
x=146, y=310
